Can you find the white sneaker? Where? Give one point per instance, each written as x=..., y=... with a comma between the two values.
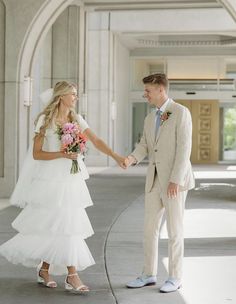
x=142, y=281
x=170, y=285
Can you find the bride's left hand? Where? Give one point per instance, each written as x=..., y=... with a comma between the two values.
x=120, y=161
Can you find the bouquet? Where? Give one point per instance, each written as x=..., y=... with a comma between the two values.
x=72, y=140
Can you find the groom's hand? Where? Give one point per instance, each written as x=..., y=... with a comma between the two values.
x=172, y=190
x=130, y=160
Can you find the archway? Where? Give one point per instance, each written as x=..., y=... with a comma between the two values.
x=230, y=7
x=33, y=39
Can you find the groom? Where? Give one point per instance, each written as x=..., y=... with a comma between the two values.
x=167, y=141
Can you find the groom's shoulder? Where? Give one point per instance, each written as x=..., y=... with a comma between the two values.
x=179, y=108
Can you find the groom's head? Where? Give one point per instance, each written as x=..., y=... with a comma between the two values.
x=156, y=88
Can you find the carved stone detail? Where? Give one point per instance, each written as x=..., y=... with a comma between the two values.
x=205, y=139
x=205, y=110
x=204, y=124
x=204, y=154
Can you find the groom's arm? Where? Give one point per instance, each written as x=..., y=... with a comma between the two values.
x=183, y=147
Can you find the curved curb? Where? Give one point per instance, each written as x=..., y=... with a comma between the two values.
x=106, y=240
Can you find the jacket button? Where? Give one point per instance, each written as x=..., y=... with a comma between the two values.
x=155, y=150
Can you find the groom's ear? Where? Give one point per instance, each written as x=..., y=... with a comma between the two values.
x=162, y=88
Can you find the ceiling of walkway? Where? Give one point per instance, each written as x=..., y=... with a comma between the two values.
x=156, y=4
x=197, y=42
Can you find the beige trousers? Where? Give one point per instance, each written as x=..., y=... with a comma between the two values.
x=156, y=203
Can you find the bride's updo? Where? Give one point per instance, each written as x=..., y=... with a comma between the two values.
x=51, y=110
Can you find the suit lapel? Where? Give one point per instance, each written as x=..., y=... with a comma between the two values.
x=168, y=108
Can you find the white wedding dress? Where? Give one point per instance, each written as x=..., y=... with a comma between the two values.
x=53, y=224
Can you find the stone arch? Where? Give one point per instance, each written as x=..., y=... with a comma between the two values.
x=36, y=33
x=33, y=39
x=230, y=7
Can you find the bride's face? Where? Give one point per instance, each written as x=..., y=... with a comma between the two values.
x=69, y=100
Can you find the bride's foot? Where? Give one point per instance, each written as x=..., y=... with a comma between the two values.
x=45, y=279
x=74, y=283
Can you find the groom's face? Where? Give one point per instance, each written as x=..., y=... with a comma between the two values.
x=153, y=93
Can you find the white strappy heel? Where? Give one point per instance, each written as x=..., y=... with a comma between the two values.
x=50, y=284
x=82, y=289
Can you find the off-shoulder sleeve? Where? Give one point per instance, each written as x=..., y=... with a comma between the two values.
x=83, y=124
x=39, y=124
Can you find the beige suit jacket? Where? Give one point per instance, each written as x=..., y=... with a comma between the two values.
x=170, y=152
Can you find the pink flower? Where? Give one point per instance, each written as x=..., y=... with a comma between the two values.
x=66, y=139
x=69, y=128
x=72, y=140
x=82, y=147
x=165, y=116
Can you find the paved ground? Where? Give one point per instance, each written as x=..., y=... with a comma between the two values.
x=117, y=217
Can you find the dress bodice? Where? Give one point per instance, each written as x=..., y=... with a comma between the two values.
x=52, y=142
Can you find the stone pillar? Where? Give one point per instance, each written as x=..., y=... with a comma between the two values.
x=59, y=57
x=42, y=78
x=122, y=121
x=108, y=65
x=65, y=41
x=98, y=83
x=2, y=85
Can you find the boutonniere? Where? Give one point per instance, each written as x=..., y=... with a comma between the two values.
x=164, y=116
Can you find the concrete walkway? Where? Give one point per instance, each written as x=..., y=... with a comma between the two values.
x=117, y=218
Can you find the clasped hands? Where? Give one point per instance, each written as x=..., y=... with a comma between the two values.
x=125, y=162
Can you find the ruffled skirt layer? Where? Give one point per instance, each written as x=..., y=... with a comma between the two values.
x=53, y=225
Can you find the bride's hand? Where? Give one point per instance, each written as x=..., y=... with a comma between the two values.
x=72, y=155
x=120, y=161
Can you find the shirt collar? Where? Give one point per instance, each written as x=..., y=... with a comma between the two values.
x=164, y=106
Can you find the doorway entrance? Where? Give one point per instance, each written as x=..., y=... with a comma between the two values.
x=229, y=134
x=205, y=139
x=139, y=111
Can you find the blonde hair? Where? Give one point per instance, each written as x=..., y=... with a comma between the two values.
x=61, y=88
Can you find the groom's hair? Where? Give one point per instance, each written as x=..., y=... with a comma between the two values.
x=158, y=78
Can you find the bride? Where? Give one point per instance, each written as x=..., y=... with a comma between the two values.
x=54, y=224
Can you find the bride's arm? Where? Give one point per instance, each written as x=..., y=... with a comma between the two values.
x=39, y=154
x=103, y=147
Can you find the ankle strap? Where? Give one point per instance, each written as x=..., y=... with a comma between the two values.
x=43, y=269
x=72, y=274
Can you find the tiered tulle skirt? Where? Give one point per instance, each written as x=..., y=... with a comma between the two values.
x=53, y=225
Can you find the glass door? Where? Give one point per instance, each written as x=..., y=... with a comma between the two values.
x=139, y=112
x=229, y=134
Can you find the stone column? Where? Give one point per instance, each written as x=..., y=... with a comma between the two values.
x=42, y=79
x=2, y=85
x=98, y=83
x=65, y=41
